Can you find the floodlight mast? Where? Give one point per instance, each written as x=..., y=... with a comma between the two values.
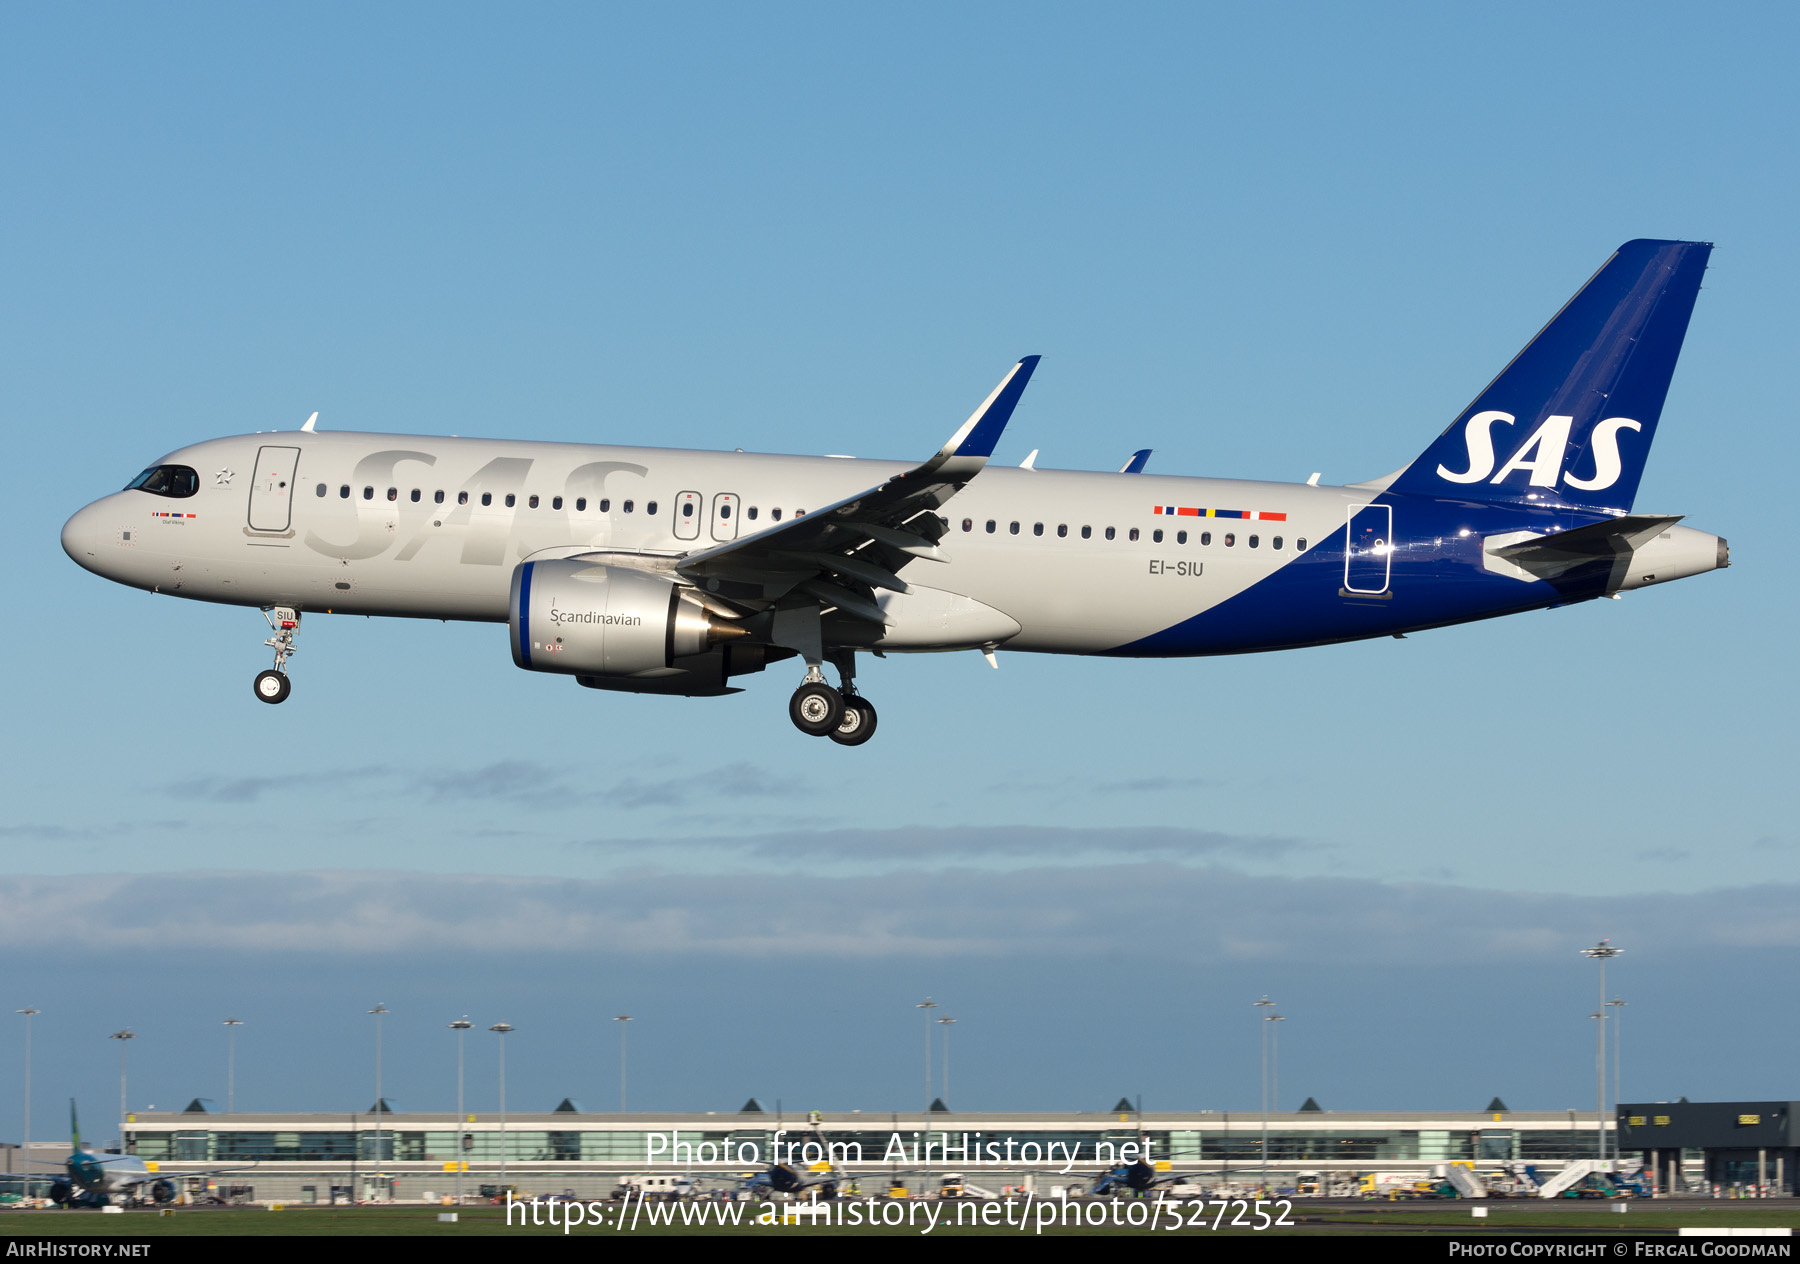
x=622, y=1020
x=1602, y=952
x=123, y=1035
x=1264, y=1004
x=460, y=1026
x=379, y=1010
x=501, y=1029
x=231, y=1025
x=25, y=1141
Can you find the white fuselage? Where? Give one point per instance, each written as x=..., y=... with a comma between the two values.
x=432, y=528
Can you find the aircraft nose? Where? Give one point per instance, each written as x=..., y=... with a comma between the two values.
x=82, y=536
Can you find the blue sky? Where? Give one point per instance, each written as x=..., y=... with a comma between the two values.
x=1262, y=243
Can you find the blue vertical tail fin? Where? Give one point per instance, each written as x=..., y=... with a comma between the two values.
x=1569, y=422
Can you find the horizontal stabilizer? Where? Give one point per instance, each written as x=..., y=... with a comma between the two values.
x=1600, y=539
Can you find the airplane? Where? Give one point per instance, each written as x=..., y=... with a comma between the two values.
x=668, y=571
x=102, y=1179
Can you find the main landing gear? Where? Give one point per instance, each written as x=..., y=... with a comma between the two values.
x=818, y=710
x=272, y=686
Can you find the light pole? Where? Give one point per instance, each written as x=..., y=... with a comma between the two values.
x=1602, y=952
x=502, y=1029
x=231, y=1025
x=26, y=1140
x=1618, y=1094
x=622, y=1020
x=379, y=1011
x=122, y=1035
x=1264, y=1004
x=946, y=1024
x=927, y=1005
x=460, y=1026
x=1274, y=1083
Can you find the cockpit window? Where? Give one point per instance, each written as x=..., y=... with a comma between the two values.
x=177, y=481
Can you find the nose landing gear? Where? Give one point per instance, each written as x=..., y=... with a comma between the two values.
x=272, y=686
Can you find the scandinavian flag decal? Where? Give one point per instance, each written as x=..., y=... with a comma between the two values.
x=1253, y=515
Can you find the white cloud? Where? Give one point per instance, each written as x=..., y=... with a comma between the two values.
x=1154, y=909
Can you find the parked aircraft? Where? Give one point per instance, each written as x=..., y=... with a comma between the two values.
x=98, y=1179
x=659, y=570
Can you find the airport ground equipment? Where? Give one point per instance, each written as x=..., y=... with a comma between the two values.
x=1572, y=1175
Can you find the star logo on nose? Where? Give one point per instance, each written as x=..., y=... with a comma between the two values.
x=223, y=478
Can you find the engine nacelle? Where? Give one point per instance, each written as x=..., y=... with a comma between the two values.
x=581, y=619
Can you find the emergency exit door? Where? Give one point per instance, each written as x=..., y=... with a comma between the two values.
x=1369, y=550
x=725, y=516
x=272, y=489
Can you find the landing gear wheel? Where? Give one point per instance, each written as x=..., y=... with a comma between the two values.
x=816, y=709
x=858, y=724
x=272, y=686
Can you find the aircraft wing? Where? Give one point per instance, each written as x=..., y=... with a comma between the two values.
x=839, y=554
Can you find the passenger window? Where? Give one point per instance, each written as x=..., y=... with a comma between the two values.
x=650, y=508
x=943, y=521
x=1087, y=533
x=393, y=494
x=1037, y=528
x=1014, y=528
x=1134, y=533
x=1206, y=537
x=752, y=512
x=556, y=502
x=1276, y=543
x=368, y=493
x=581, y=504
x=687, y=509
x=487, y=498
x=1300, y=544
x=1110, y=533
x=775, y=514
x=1230, y=539
x=344, y=492
x=724, y=511
x=511, y=500
x=606, y=504
x=437, y=497
x=1156, y=535
x=799, y=513
x=628, y=506
x=532, y=502
x=990, y=526
x=1062, y=529
x=968, y=524
x=416, y=493
x=1181, y=537
x=321, y=489
x=1253, y=541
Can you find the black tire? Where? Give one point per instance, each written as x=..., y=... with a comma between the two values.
x=816, y=709
x=271, y=686
x=858, y=724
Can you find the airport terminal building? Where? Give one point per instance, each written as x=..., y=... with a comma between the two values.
x=391, y=1155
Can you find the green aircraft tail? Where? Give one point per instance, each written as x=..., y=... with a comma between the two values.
x=74, y=1128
